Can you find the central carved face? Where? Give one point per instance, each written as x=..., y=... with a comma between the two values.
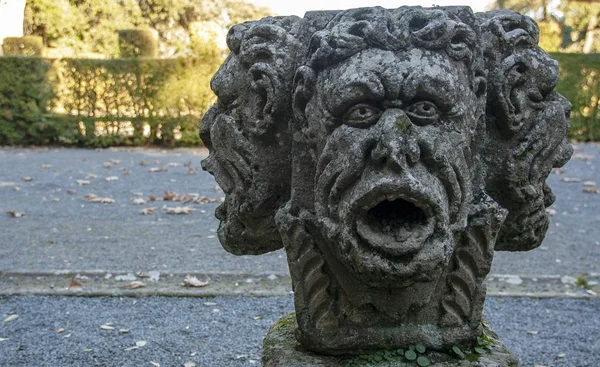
x=391, y=131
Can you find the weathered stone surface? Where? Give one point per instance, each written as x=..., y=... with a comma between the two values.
x=390, y=151
x=280, y=348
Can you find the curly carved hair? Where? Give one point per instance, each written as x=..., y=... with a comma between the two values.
x=453, y=30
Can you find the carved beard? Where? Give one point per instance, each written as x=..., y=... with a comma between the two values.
x=426, y=199
x=241, y=229
x=541, y=148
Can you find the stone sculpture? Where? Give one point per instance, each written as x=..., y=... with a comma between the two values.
x=391, y=152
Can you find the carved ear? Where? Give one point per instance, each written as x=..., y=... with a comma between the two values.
x=507, y=104
x=268, y=88
x=304, y=84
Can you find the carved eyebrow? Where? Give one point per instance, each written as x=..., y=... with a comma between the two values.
x=364, y=88
x=442, y=92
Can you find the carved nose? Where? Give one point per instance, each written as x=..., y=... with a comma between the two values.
x=397, y=146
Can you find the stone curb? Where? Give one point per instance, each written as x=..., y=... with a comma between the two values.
x=170, y=284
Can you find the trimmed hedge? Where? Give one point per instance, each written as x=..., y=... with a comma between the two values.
x=142, y=101
x=580, y=83
x=91, y=102
x=138, y=43
x=23, y=46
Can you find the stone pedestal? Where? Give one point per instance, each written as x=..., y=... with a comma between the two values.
x=281, y=349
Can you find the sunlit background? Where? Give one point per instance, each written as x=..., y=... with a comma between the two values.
x=129, y=72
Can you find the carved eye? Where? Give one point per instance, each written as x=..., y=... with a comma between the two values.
x=422, y=113
x=361, y=115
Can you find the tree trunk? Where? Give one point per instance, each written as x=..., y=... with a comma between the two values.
x=591, y=35
x=12, y=14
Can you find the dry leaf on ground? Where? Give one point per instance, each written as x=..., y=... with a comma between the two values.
x=551, y=212
x=178, y=210
x=111, y=178
x=190, y=364
x=10, y=318
x=106, y=165
x=17, y=188
x=570, y=179
x=82, y=182
x=135, y=284
x=46, y=166
x=74, y=285
x=71, y=192
x=27, y=179
x=115, y=161
x=583, y=157
x=107, y=327
x=123, y=331
x=60, y=330
x=558, y=171
x=125, y=172
x=143, y=163
x=175, y=164
x=589, y=183
x=138, y=201
x=591, y=190
x=154, y=364
x=191, y=281
x=96, y=199
x=15, y=214
x=158, y=169
x=191, y=171
x=90, y=175
x=147, y=211
x=170, y=195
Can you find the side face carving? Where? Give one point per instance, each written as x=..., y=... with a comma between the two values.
x=528, y=122
x=247, y=133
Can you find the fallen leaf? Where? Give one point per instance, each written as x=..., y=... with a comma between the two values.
x=115, y=161
x=189, y=364
x=106, y=165
x=191, y=171
x=46, y=166
x=551, y=212
x=111, y=178
x=570, y=179
x=210, y=303
x=16, y=188
x=561, y=355
x=107, y=327
x=533, y=332
x=10, y=318
x=583, y=157
x=143, y=275
x=27, y=179
x=143, y=163
x=147, y=211
x=126, y=172
x=191, y=281
x=90, y=175
x=558, y=171
x=96, y=199
x=135, y=284
x=88, y=350
x=589, y=183
x=60, y=330
x=158, y=169
x=3, y=339
x=141, y=343
x=178, y=210
x=591, y=190
x=71, y=192
x=82, y=182
x=175, y=164
x=75, y=285
x=138, y=201
x=123, y=331
x=187, y=164
x=257, y=317
x=15, y=214
x=131, y=348
x=153, y=198
x=154, y=364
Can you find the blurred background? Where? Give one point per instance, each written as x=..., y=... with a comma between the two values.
x=136, y=72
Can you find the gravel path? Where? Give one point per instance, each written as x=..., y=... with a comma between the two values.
x=63, y=231
x=228, y=331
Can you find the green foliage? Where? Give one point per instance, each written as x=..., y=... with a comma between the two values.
x=88, y=28
x=138, y=43
x=580, y=84
x=93, y=102
x=393, y=355
x=24, y=95
x=23, y=46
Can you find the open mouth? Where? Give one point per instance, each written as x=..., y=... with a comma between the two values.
x=395, y=225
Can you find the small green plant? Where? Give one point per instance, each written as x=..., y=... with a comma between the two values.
x=413, y=353
x=482, y=345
